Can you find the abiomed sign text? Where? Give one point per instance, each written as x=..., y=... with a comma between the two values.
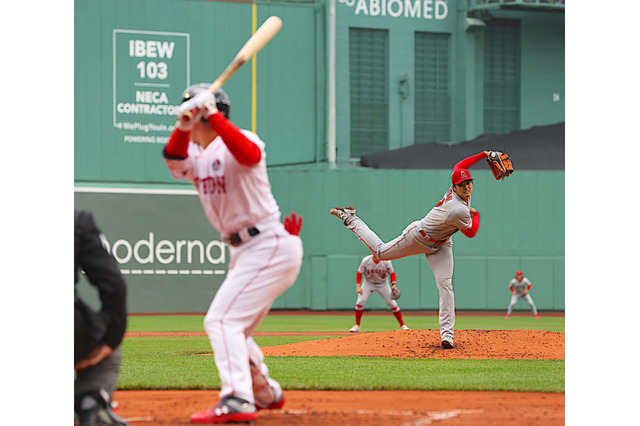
x=423, y=9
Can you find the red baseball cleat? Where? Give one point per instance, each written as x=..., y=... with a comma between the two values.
x=230, y=409
x=275, y=406
x=538, y=316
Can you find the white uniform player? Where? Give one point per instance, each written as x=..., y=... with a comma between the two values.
x=373, y=276
x=519, y=287
x=431, y=236
x=227, y=167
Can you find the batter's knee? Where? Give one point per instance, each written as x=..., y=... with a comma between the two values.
x=212, y=322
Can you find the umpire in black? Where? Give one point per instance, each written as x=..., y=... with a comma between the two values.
x=98, y=334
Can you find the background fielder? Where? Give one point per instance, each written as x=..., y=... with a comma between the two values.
x=373, y=276
x=519, y=287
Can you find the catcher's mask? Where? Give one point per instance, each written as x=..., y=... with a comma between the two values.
x=222, y=100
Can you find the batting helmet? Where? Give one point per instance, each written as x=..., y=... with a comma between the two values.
x=222, y=100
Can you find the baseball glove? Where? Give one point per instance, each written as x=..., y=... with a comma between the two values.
x=395, y=293
x=500, y=164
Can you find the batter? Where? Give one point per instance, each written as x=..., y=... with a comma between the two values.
x=228, y=169
x=432, y=236
x=519, y=287
x=373, y=276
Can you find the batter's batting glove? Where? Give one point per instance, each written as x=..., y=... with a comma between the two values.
x=293, y=223
x=186, y=123
x=207, y=102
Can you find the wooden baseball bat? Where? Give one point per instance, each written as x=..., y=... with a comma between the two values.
x=258, y=40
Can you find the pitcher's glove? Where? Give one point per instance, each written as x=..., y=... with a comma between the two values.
x=500, y=164
x=395, y=293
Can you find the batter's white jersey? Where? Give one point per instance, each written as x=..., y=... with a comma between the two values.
x=373, y=272
x=447, y=217
x=234, y=196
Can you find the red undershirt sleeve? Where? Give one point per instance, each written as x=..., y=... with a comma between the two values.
x=178, y=144
x=393, y=278
x=469, y=161
x=243, y=150
x=475, y=224
x=358, y=277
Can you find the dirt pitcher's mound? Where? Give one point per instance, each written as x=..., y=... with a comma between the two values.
x=469, y=344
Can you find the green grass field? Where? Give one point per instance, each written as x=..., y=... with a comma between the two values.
x=341, y=323
x=177, y=362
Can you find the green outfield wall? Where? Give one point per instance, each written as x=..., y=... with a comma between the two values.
x=174, y=261
x=406, y=72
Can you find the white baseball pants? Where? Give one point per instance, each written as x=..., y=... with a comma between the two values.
x=527, y=297
x=260, y=270
x=440, y=259
x=383, y=289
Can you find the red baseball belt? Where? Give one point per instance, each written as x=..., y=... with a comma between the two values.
x=431, y=240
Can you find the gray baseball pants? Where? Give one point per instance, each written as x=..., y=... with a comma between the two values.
x=440, y=259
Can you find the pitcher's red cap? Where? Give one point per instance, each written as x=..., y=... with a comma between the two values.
x=518, y=272
x=460, y=175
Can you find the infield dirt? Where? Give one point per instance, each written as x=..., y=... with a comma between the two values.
x=152, y=408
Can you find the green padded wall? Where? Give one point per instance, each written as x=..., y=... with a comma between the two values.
x=527, y=234
x=120, y=48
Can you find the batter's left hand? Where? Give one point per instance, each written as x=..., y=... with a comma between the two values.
x=293, y=223
x=186, y=122
x=207, y=102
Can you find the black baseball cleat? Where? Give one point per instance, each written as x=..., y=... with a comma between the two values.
x=94, y=408
x=447, y=344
